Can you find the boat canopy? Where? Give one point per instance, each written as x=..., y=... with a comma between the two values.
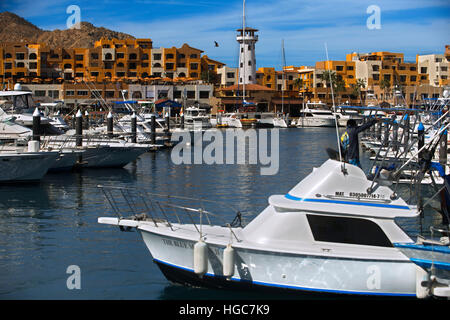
x=14, y=93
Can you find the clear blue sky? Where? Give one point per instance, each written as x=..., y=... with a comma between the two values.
x=412, y=26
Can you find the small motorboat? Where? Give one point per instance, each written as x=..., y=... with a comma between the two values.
x=326, y=235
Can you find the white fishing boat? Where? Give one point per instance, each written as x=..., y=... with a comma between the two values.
x=316, y=114
x=326, y=235
x=9, y=129
x=19, y=105
x=231, y=120
x=58, y=121
x=432, y=253
x=280, y=121
x=196, y=118
x=433, y=257
x=97, y=151
x=264, y=119
x=25, y=165
x=343, y=114
x=67, y=160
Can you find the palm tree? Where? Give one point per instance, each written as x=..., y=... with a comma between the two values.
x=339, y=86
x=298, y=83
x=360, y=84
x=385, y=85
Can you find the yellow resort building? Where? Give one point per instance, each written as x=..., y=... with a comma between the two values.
x=128, y=60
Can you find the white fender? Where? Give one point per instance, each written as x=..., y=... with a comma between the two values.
x=200, y=258
x=33, y=146
x=228, y=261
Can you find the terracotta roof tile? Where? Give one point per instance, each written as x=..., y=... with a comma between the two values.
x=248, y=87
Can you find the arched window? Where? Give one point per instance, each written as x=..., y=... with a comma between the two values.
x=157, y=65
x=108, y=74
x=137, y=95
x=32, y=56
x=108, y=56
x=182, y=75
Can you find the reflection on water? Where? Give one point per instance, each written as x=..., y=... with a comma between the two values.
x=48, y=226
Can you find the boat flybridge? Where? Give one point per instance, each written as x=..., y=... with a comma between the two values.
x=334, y=232
x=19, y=105
x=197, y=118
x=316, y=114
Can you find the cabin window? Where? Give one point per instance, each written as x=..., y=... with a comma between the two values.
x=347, y=230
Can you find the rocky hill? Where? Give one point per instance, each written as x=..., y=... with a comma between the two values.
x=16, y=29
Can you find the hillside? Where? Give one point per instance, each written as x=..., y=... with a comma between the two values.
x=15, y=29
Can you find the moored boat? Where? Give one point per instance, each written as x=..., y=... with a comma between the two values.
x=326, y=235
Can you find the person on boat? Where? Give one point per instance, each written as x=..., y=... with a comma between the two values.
x=350, y=140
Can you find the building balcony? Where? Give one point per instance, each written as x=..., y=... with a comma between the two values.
x=247, y=38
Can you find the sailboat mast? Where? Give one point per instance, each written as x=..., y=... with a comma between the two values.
x=243, y=41
x=282, y=76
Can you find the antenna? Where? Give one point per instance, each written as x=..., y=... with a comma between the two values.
x=282, y=76
x=243, y=41
x=334, y=107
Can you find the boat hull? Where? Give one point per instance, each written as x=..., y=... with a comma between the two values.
x=66, y=161
x=315, y=122
x=279, y=123
x=111, y=157
x=428, y=257
x=25, y=167
x=286, y=271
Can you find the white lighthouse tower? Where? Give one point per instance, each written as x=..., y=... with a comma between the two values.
x=247, y=59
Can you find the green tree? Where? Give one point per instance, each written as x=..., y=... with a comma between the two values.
x=329, y=76
x=385, y=85
x=357, y=89
x=298, y=83
x=338, y=87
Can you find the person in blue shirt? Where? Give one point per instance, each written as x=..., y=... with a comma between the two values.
x=350, y=140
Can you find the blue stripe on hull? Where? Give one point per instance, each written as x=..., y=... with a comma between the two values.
x=380, y=205
x=291, y=287
x=427, y=264
x=431, y=248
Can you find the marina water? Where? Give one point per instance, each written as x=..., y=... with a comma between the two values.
x=51, y=225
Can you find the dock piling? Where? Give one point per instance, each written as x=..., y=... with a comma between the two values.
x=79, y=129
x=110, y=125
x=133, y=128
x=36, y=125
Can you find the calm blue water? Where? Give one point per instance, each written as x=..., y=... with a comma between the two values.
x=48, y=226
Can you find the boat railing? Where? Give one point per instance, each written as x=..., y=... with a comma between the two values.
x=173, y=211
